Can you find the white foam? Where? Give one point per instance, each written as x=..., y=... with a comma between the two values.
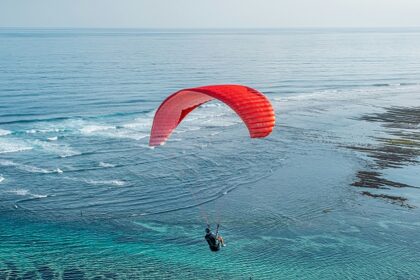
x=4, y=132
x=13, y=146
x=25, y=192
x=62, y=150
x=212, y=105
x=143, y=124
x=28, y=168
x=39, y=195
x=1, y=178
x=118, y=183
x=44, y=130
x=146, y=146
x=326, y=95
x=105, y=164
x=224, y=121
x=215, y=114
x=33, y=169
x=125, y=133
x=21, y=192
x=136, y=130
x=346, y=94
x=90, y=129
x=112, y=132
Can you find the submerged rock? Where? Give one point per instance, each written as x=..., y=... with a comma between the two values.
x=403, y=145
x=397, y=117
x=372, y=179
x=391, y=198
x=401, y=148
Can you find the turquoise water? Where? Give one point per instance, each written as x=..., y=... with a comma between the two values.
x=82, y=195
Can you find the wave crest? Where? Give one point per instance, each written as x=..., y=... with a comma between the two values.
x=13, y=146
x=4, y=132
x=61, y=150
x=28, y=168
x=106, y=165
x=118, y=183
x=26, y=192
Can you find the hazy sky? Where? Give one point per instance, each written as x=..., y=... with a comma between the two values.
x=209, y=13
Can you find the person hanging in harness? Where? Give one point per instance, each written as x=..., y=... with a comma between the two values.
x=214, y=240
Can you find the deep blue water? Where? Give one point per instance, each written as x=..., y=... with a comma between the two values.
x=83, y=196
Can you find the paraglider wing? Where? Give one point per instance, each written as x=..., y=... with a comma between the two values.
x=252, y=107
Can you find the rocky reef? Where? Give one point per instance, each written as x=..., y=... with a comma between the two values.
x=401, y=147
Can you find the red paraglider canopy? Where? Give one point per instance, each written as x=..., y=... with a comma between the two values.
x=252, y=107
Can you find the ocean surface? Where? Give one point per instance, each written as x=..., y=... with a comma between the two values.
x=82, y=196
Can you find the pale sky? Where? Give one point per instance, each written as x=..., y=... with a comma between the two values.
x=209, y=13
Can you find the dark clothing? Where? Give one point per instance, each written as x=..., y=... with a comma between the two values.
x=211, y=239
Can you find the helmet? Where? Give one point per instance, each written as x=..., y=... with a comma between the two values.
x=207, y=230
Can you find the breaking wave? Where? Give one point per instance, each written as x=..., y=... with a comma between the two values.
x=4, y=132
x=46, y=130
x=110, y=182
x=26, y=192
x=118, y=183
x=29, y=168
x=106, y=165
x=13, y=146
x=62, y=150
x=112, y=132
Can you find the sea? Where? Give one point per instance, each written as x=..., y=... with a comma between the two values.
x=332, y=193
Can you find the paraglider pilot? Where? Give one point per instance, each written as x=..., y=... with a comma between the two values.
x=214, y=240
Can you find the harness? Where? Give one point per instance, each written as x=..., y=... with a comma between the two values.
x=214, y=244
